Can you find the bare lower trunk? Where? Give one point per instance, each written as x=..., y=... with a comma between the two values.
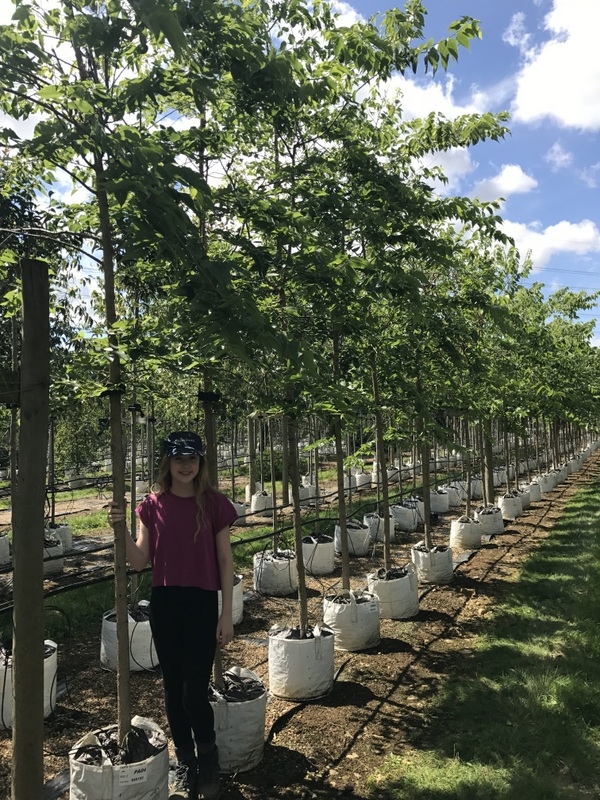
x=28, y=533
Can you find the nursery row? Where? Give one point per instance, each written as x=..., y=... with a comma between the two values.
x=300, y=667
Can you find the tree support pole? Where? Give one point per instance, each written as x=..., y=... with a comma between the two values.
x=28, y=542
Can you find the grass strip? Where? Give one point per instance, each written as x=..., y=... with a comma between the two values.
x=521, y=719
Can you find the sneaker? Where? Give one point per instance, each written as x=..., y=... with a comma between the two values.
x=182, y=780
x=208, y=785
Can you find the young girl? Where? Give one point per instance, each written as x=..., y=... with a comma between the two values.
x=184, y=535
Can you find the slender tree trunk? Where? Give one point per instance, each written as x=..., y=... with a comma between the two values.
x=233, y=456
x=28, y=527
x=315, y=480
x=210, y=432
x=51, y=474
x=273, y=483
x=133, y=408
x=150, y=420
x=14, y=411
x=385, y=503
x=285, y=478
x=507, y=458
x=489, y=459
x=424, y=447
x=115, y=391
x=469, y=469
x=292, y=431
x=252, y=454
x=339, y=459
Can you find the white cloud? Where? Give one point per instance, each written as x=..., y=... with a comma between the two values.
x=7, y=9
x=419, y=98
x=347, y=15
x=510, y=180
x=589, y=175
x=558, y=157
x=22, y=127
x=576, y=238
x=516, y=34
x=456, y=163
x=560, y=78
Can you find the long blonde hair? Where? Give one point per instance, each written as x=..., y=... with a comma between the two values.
x=202, y=485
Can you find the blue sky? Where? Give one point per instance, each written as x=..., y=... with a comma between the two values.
x=538, y=60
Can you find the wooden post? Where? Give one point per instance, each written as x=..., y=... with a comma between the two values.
x=28, y=537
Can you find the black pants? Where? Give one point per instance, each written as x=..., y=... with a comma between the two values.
x=183, y=622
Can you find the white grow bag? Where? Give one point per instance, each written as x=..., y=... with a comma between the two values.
x=142, y=653
x=63, y=532
x=405, y=519
x=249, y=492
x=237, y=607
x=499, y=477
x=4, y=550
x=354, y=619
x=546, y=483
x=241, y=510
x=363, y=480
x=303, y=495
x=439, y=501
x=53, y=549
x=510, y=506
x=465, y=534
x=262, y=504
x=6, y=686
x=375, y=523
x=476, y=489
x=240, y=724
x=433, y=566
x=392, y=474
x=535, y=491
x=142, y=780
x=453, y=496
x=300, y=669
x=318, y=554
x=398, y=597
x=308, y=492
x=460, y=487
x=359, y=538
x=275, y=574
x=525, y=496
x=573, y=465
x=490, y=519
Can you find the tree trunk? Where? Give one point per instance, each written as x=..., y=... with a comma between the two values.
x=426, y=496
x=285, y=454
x=234, y=437
x=28, y=528
x=273, y=483
x=252, y=455
x=339, y=460
x=381, y=465
x=210, y=433
x=469, y=469
x=489, y=460
x=295, y=481
x=115, y=391
x=507, y=458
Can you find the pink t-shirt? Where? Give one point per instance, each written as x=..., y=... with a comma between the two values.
x=176, y=559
